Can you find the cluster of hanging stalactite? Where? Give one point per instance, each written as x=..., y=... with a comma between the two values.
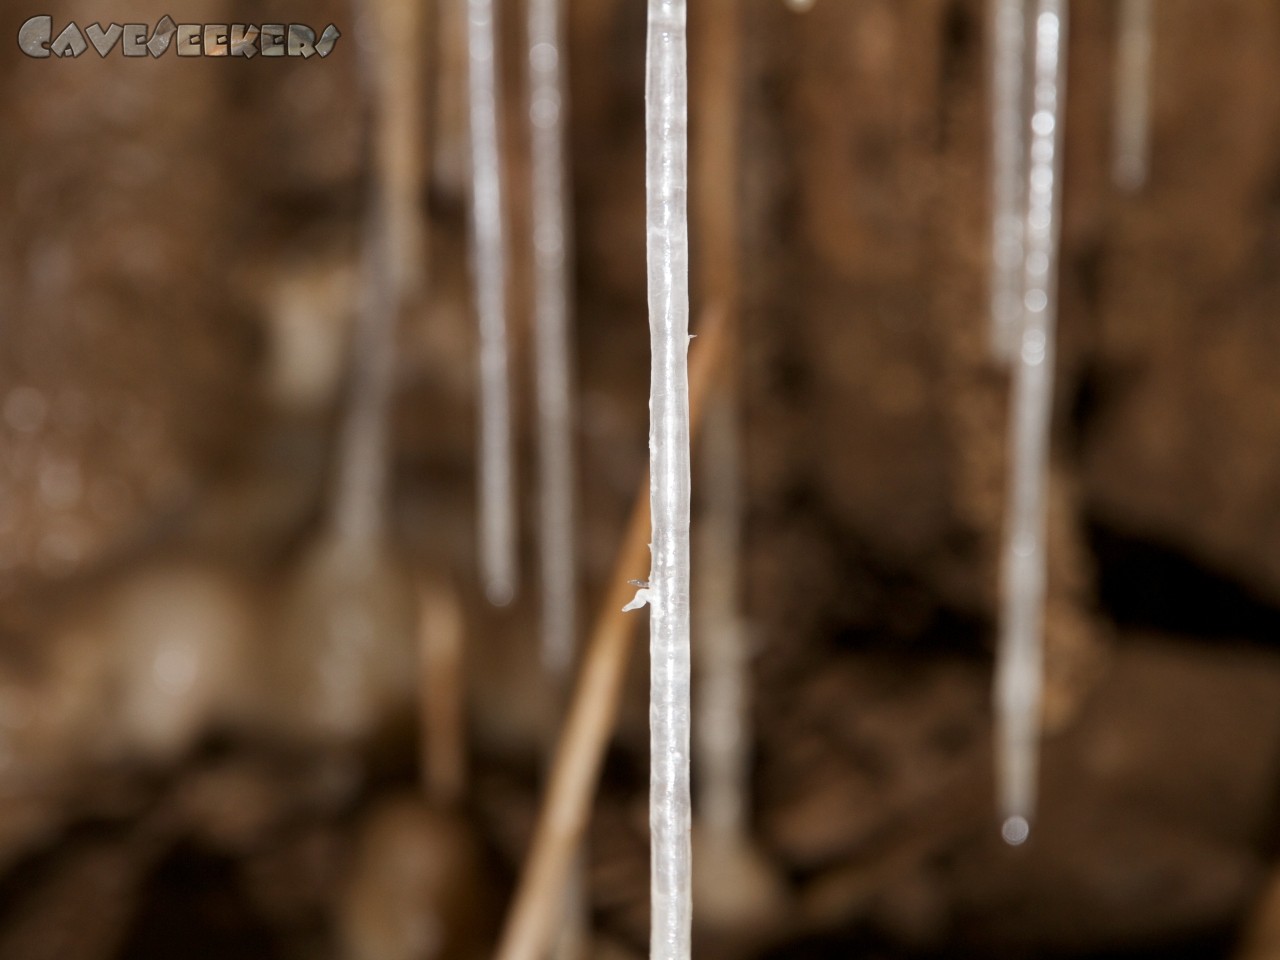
x=1028, y=70
x=349, y=625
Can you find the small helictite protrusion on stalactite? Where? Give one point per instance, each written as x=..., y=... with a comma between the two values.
x=1020, y=657
x=1131, y=133
x=1008, y=172
x=497, y=522
x=666, y=186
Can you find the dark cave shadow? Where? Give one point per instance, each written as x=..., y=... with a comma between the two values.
x=1147, y=585
x=1214, y=945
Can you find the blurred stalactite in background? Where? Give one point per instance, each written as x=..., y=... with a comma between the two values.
x=178, y=253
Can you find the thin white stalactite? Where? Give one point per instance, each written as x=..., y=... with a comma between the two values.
x=554, y=379
x=1019, y=680
x=552, y=341
x=398, y=137
x=1132, y=120
x=497, y=526
x=722, y=722
x=391, y=245
x=666, y=185
x=361, y=480
x=1008, y=172
x=724, y=716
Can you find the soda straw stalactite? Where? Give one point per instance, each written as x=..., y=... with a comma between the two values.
x=1132, y=120
x=393, y=260
x=551, y=337
x=732, y=884
x=1019, y=663
x=721, y=716
x=496, y=461
x=450, y=126
x=593, y=711
x=1008, y=172
x=666, y=187
x=392, y=253
x=551, y=315
x=399, y=142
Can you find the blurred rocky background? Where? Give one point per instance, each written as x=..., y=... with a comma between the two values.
x=179, y=248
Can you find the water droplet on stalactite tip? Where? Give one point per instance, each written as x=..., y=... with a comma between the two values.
x=496, y=497
x=500, y=593
x=1015, y=831
x=641, y=598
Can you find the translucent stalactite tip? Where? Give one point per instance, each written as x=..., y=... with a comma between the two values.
x=1015, y=831
x=499, y=592
x=800, y=6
